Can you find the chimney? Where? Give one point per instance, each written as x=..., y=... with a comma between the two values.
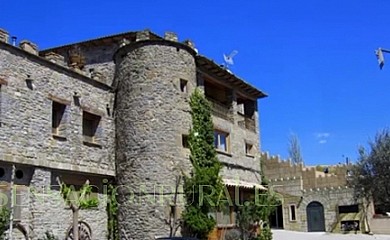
x=143, y=35
x=29, y=47
x=170, y=36
x=4, y=36
x=55, y=58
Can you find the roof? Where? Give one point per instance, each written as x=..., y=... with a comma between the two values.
x=202, y=61
x=131, y=36
x=217, y=70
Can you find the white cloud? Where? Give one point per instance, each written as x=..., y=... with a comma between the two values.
x=322, y=137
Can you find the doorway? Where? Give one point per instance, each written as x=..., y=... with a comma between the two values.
x=315, y=217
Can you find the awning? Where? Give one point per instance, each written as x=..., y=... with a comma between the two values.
x=243, y=184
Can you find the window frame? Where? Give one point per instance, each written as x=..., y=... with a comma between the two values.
x=217, y=140
x=183, y=85
x=58, y=121
x=96, y=124
x=249, y=153
x=292, y=213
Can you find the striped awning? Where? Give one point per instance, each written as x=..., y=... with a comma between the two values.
x=243, y=184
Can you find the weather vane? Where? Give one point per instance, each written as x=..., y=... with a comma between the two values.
x=229, y=58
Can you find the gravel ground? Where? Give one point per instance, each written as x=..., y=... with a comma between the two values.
x=289, y=235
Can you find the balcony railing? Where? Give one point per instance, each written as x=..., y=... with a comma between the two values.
x=221, y=110
x=247, y=123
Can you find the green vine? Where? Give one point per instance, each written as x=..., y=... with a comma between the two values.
x=4, y=221
x=205, y=171
x=112, y=212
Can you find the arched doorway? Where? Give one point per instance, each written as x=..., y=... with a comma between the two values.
x=315, y=217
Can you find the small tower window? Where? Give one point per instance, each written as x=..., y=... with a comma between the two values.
x=183, y=85
x=184, y=141
x=249, y=150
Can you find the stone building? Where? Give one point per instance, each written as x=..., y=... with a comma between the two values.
x=115, y=107
x=314, y=199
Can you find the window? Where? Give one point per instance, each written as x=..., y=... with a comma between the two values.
x=293, y=216
x=349, y=209
x=249, y=150
x=184, y=141
x=183, y=85
x=221, y=141
x=90, y=126
x=58, y=111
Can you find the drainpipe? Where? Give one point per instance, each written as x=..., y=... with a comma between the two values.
x=11, y=217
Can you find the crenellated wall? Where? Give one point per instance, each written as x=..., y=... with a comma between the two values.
x=275, y=168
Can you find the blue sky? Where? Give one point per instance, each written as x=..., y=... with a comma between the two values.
x=315, y=59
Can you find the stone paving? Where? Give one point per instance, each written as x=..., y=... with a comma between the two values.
x=290, y=235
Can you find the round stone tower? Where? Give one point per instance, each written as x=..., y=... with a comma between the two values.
x=154, y=79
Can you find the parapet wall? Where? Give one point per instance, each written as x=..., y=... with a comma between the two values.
x=276, y=169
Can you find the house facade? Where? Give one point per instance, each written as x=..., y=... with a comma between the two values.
x=115, y=109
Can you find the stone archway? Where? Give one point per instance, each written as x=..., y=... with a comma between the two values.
x=315, y=217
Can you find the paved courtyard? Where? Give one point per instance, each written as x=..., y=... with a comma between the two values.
x=289, y=235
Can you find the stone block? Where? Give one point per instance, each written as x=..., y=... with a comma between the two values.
x=29, y=47
x=4, y=36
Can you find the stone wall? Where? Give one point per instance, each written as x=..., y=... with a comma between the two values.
x=98, y=59
x=40, y=207
x=276, y=168
x=300, y=185
x=152, y=115
x=30, y=84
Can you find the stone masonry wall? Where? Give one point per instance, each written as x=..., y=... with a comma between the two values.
x=26, y=115
x=99, y=58
x=152, y=114
x=42, y=208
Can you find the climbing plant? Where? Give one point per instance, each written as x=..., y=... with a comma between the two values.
x=4, y=221
x=203, y=186
x=257, y=211
x=112, y=212
x=77, y=200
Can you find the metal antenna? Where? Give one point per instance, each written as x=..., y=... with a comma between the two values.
x=229, y=58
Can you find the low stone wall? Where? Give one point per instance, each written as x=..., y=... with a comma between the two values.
x=380, y=225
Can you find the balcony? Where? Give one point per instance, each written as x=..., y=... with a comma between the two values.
x=247, y=122
x=220, y=110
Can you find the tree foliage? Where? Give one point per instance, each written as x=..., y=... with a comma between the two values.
x=203, y=187
x=257, y=211
x=370, y=175
x=77, y=200
x=294, y=149
x=4, y=221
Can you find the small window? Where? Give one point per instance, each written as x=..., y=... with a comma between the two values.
x=183, y=85
x=90, y=125
x=249, y=150
x=293, y=216
x=2, y=172
x=349, y=209
x=58, y=111
x=221, y=141
x=184, y=141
